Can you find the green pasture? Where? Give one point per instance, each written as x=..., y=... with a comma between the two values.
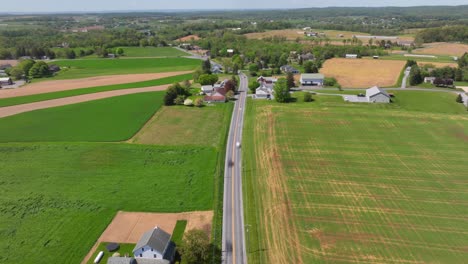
x=361, y=183
x=59, y=197
x=153, y=52
x=62, y=94
x=111, y=119
x=73, y=69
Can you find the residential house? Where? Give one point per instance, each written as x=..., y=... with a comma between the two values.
x=306, y=57
x=267, y=80
x=216, y=69
x=217, y=96
x=377, y=95
x=207, y=89
x=54, y=68
x=351, y=56
x=3, y=73
x=312, y=79
x=289, y=68
x=131, y=260
x=155, y=244
x=5, y=66
x=429, y=80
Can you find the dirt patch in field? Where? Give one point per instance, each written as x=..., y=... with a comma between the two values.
x=189, y=38
x=62, y=85
x=128, y=227
x=443, y=48
x=363, y=73
x=11, y=62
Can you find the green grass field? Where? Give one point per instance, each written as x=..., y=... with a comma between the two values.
x=62, y=94
x=59, y=197
x=73, y=69
x=111, y=119
x=439, y=58
x=153, y=52
x=333, y=182
x=186, y=126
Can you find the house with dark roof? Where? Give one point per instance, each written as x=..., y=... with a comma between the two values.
x=377, y=95
x=289, y=68
x=306, y=57
x=155, y=244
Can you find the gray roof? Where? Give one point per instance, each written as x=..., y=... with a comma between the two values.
x=157, y=239
x=375, y=91
x=151, y=261
x=312, y=76
x=120, y=260
x=207, y=88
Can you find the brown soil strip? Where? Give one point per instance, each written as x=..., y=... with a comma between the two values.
x=17, y=109
x=128, y=227
x=63, y=85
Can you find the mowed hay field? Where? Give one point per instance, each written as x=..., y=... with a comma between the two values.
x=443, y=48
x=352, y=183
x=363, y=73
x=186, y=126
x=73, y=69
x=57, y=198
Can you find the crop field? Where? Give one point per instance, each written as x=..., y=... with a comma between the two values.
x=443, y=48
x=153, y=52
x=75, y=92
x=186, y=126
x=363, y=73
x=73, y=69
x=59, y=197
x=335, y=182
x=112, y=119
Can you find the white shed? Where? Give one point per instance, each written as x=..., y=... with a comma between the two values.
x=377, y=95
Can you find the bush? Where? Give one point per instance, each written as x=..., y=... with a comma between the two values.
x=188, y=102
x=308, y=97
x=329, y=81
x=253, y=85
x=459, y=99
x=230, y=95
x=180, y=99
x=198, y=102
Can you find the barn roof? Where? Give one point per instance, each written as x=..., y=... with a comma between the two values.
x=371, y=92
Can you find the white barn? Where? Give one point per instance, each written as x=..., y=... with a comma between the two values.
x=207, y=89
x=351, y=56
x=377, y=95
x=314, y=79
x=155, y=244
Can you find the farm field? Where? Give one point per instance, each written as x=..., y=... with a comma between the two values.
x=91, y=82
x=61, y=196
x=98, y=67
x=189, y=38
x=112, y=119
x=75, y=92
x=443, y=48
x=363, y=73
x=438, y=58
x=293, y=34
x=153, y=52
x=185, y=126
x=341, y=183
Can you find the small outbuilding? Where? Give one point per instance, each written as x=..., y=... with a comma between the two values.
x=6, y=81
x=289, y=68
x=429, y=80
x=312, y=79
x=377, y=95
x=351, y=56
x=207, y=89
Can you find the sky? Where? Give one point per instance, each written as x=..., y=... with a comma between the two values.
x=27, y=6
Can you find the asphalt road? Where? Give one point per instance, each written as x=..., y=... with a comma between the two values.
x=233, y=211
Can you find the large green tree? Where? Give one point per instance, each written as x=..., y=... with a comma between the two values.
x=415, y=76
x=40, y=69
x=208, y=79
x=281, y=89
x=173, y=92
x=195, y=247
x=290, y=80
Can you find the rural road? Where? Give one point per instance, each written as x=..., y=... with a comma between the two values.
x=405, y=78
x=18, y=109
x=233, y=247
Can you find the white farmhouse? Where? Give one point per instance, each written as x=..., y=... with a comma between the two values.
x=377, y=95
x=207, y=89
x=313, y=79
x=155, y=244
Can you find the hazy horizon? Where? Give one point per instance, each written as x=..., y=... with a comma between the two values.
x=56, y=6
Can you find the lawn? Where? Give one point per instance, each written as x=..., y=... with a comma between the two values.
x=59, y=197
x=62, y=94
x=334, y=182
x=153, y=52
x=73, y=69
x=111, y=119
x=182, y=125
x=123, y=250
x=438, y=58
